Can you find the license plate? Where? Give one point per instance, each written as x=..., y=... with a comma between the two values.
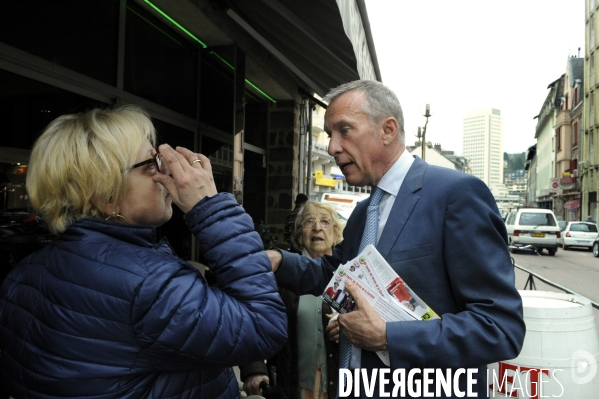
x=538, y=235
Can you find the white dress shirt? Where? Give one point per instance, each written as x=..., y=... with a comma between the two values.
x=390, y=184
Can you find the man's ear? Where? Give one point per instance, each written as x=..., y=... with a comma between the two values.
x=390, y=130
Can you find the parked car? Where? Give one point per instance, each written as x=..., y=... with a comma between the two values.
x=596, y=248
x=578, y=234
x=532, y=228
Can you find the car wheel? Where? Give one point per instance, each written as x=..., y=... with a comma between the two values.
x=596, y=250
x=552, y=251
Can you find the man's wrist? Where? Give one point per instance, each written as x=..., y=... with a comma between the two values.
x=276, y=258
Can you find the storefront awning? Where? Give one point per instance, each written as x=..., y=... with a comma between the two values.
x=572, y=204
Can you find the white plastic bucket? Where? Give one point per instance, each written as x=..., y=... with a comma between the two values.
x=560, y=352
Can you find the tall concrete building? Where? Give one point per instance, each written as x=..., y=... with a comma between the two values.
x=483, y=144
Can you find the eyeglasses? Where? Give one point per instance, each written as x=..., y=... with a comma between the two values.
x=156, y=158
x=310, y=223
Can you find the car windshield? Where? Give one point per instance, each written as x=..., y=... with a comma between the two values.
x=590, y=228
x=537, y=219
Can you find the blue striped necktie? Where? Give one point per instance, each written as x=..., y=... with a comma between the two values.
x=368, y=237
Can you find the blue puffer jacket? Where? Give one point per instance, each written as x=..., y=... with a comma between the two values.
x=106, y=312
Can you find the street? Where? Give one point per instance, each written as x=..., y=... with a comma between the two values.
x=575, y=269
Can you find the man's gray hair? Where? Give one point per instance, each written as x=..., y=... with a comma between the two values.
x=380, y=102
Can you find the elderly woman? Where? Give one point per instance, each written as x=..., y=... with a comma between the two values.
x=106, y=311
x=306, y=367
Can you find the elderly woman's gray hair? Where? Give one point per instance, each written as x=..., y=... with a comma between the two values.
x=313, y=207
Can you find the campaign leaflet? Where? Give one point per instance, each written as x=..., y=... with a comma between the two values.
x=386, y=292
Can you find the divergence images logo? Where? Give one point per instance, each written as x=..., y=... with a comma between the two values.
x=583, y=367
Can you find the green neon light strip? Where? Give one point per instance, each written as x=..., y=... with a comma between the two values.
x=246, y=81
x=223, y=60
x=260, y=91
x=158, y=10
x=154, y=26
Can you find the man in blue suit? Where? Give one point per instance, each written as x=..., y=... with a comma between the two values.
x=439, y=229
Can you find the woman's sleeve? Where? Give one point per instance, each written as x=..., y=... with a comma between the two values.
x=184, y=323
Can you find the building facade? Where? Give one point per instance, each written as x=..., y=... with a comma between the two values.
x=483, y=144
x=227, y=78
x=566, y=204
x=588, y=166
x=545, y=171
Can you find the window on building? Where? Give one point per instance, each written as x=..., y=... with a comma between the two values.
x=160, y=64
x=575, y=134
x=58, y=31
x=558, y=138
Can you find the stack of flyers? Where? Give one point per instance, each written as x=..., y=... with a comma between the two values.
x=388, y=294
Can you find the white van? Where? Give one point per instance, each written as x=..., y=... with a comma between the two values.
x=343, y=202
x=532, y=226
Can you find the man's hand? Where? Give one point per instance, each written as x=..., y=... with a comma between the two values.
x=333, y=327
x=251, y=385
x=363, y=326
x=275, y=258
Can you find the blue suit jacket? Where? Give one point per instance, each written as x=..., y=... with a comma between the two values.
x=447, y=240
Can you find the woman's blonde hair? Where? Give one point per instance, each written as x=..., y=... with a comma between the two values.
x=85, y=157
x=313, y=207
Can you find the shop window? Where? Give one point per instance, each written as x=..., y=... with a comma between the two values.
x=27, y=106
x=173, y=135
x=216, y=91
x=221, y=160
x=78, y=35
x=160, y=64
x=256, y=122
x=254, y=186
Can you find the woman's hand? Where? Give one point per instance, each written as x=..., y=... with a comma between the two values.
x=190, y=177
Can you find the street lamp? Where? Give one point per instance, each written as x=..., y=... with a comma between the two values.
x=427, y=113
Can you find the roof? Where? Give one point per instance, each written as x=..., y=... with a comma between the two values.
x=308, y=38
x=575, y=69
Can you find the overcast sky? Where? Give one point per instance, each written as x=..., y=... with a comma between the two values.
x=466, y=55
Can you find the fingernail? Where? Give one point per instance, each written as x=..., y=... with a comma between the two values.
x=348, y=283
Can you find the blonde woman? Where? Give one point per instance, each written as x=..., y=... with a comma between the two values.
x=106, y=311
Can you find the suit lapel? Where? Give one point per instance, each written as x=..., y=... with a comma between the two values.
x=355, y=229
x=406, y=200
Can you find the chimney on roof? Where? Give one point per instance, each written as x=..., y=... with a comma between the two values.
x=578, y=52
x=438, y=147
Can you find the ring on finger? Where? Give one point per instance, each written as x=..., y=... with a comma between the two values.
x=197, y=160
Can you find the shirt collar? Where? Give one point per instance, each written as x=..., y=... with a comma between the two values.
x=392, y=179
